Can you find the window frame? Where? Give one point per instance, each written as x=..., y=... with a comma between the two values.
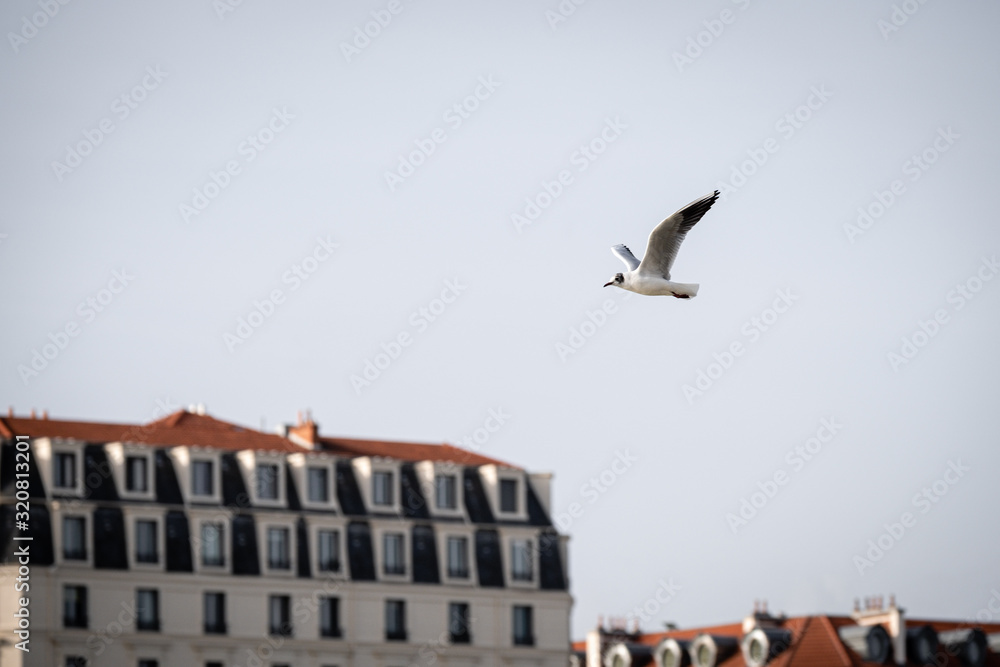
x=220, y=626
x=389, y=488
x=142, y=558
x=502, y=483
x=145, y=457
x=464, y=635
x=284, y=627
x=449, y=572
x=445, y=477
x=154, y=624
x=333, y=630
x=518, y=639
x=79, y=618
x=84, y=537
x=327, y=486
x=223, y=545
x=399, y=570
x=521, y=553
x=74, y=455
x=289, y=532
x=395, y=614
x=214, y=481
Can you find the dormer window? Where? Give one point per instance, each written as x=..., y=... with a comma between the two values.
x=445, y=494
x=137, y=474
x=202, y=478
x=382, y=488
x=318, y=483
x=508, y=496
x=267, y=481
x=64, y=470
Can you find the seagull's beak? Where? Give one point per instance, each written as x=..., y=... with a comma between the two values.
x=611, y=283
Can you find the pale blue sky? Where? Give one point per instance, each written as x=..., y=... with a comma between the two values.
x=200, y=90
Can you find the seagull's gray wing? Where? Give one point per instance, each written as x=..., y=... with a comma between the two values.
x=665, y=240
x=624, y=254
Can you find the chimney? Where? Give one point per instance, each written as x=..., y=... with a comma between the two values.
x=305, y=433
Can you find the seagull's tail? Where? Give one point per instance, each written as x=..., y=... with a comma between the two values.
x=687, y=290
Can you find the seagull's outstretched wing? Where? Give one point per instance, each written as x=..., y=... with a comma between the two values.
x=624, y=254
x=665, y=240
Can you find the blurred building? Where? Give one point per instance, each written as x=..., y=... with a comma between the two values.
x=874, y=634
x=190, y=541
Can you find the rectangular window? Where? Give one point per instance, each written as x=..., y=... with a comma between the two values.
x=202, y=481
x=76, y=661
x=329, y=550
x=520, y=560
x=318, y=481
x=445, y=496
x=212, y=535
x=215, y=613
x=524, y=634
x=267, y=481
x=147, y=609
x=382, y=488
x=148, y=663
x=329, y=617
x=279, y=616
x=74, y=538
x=459, y=622
x=64, y=470
x=393, y=546
x=395, y=620
x=136, y=474
x=508, y=495
x=278, y=549
x=458, y=557
x=145, y=542
x=74, y=606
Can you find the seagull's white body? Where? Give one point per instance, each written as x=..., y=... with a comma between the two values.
x=651, y=276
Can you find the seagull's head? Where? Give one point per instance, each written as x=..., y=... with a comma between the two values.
x=617, y=281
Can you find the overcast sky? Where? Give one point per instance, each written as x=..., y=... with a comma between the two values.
x=252, y=206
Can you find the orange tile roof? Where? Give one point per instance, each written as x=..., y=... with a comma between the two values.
x=190, y=429
x=815, y=642
x=406, y=451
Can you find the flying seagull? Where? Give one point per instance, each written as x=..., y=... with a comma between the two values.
x=651, y=276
